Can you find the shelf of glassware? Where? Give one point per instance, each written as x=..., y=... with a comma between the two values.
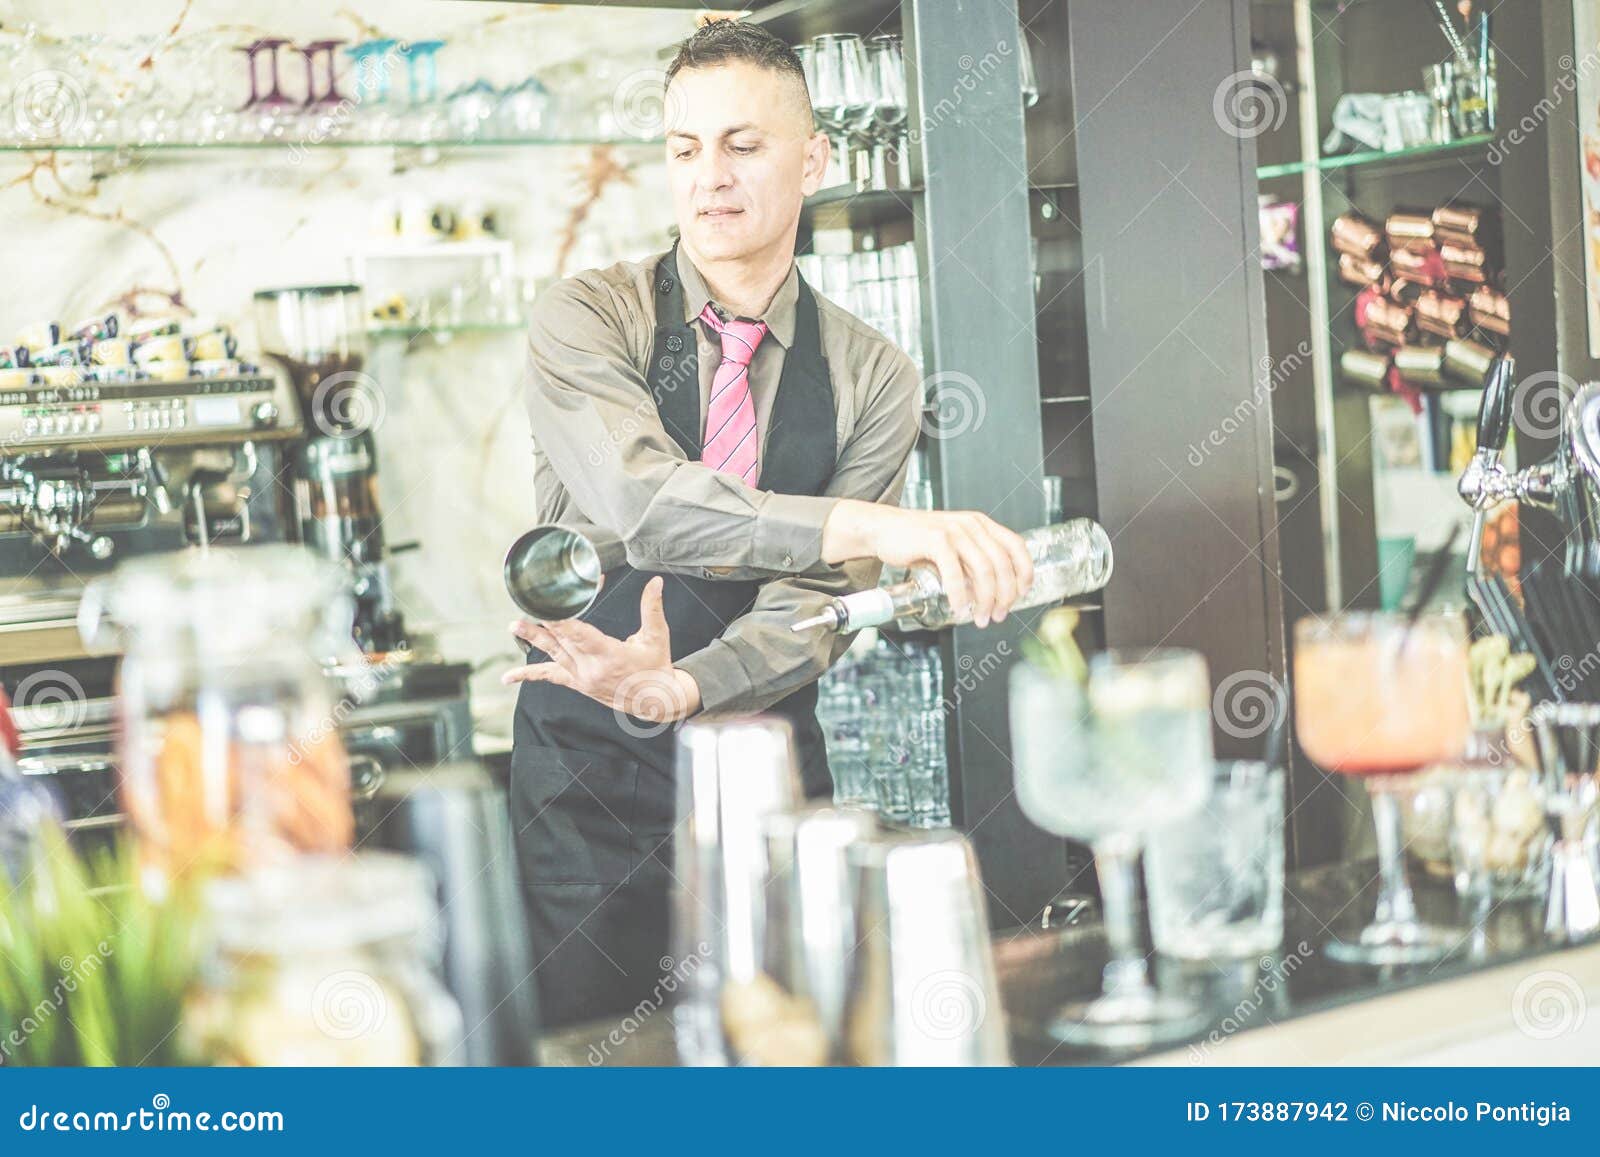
x=444, y=332
x=334, y=145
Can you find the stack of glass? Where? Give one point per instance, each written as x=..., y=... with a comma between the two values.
x=882, y=712
x=879, y=286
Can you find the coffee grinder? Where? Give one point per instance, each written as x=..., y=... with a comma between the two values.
x=317, y=333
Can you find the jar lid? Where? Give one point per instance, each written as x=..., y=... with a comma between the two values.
x=316, y=903
x=229, y=600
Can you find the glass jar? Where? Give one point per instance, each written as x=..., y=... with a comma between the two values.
x=325, y=961
x=1480, y=822
x=227, y=733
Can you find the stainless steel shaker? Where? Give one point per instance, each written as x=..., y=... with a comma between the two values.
x=552, y=572
x=810, y=903
x=732, y=775
x=455, y=820
x=923, y=988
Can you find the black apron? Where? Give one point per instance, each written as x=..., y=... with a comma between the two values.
x=593, y=795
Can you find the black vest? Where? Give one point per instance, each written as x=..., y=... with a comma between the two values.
x=798, y=458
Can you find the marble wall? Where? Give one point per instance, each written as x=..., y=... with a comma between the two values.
x=206, y=229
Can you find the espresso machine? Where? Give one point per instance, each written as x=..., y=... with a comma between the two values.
x=317, y=334
x=160, y=439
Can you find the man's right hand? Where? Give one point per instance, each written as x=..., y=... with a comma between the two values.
x=980, y=562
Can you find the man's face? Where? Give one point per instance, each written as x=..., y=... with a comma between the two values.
x=741, y=156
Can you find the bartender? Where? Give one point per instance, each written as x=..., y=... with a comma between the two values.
x=746, y=440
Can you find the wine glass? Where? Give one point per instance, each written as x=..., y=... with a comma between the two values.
x=1109, y=762
x=373, y=61
x=1378, y=697
x=1030, y=79
x=886, y=69
x=839, y=95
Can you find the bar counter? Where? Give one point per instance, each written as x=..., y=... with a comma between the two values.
x=1509, y=996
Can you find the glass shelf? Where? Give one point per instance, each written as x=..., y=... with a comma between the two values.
x=443, y=332
x=287, y=145
x=1376, y=158
x=847, y=206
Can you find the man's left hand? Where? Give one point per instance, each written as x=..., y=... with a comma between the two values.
x=634, y=675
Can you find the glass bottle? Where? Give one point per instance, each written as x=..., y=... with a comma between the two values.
x=228, y=747
x=1069, y=558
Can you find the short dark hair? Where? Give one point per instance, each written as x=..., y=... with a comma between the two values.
x=722, y=41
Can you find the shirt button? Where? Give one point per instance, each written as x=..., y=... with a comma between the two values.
x=674, y=343
x=788, y=560
x=664, y=285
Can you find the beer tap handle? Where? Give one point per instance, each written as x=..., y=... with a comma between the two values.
x=1494, y=415
x=1484, y=483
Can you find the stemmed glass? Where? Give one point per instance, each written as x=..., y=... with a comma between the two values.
x=1030, y=79
x=1380, y=698
x=424, y=111
x=887, y=82
x=271, y=108
x=839, y=95
x=1109, y=762
x=372, y=64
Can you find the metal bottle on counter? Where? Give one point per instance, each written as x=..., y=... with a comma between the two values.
x=1069, y=558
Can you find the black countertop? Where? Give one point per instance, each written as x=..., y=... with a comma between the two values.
x=1042, y=970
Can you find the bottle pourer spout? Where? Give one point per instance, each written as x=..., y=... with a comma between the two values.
x=826, y=619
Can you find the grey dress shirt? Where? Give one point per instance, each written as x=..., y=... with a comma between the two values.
x=603, y=462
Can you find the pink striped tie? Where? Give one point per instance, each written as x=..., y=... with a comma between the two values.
x=731, y=444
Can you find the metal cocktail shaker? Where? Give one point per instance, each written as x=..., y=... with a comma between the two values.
x=810, y=905
x=923, y=988
x=553, y=572
x=731, y=777
x=455, y=820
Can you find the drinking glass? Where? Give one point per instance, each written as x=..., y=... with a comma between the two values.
x=1216, y=876
x=1108, y=763
x=886, y=70
x=374, y=62
x=840, y=96
x=1378, y=698
x=425, y=118
x=270, y=109
x=1030, y=79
